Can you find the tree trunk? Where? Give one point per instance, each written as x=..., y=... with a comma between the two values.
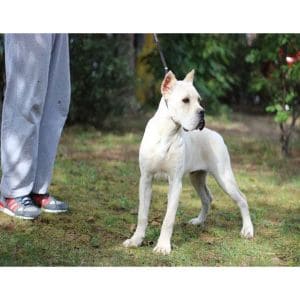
x=285, y=146
x=284, y=141
x=286, y=133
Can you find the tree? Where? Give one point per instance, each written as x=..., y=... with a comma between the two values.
x=273, y=77
x=213, y=56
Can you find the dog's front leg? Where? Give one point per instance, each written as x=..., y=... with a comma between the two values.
x=145, y=191
x=164, y=242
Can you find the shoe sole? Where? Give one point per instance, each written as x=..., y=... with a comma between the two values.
x=54, y=211
x=11, y=214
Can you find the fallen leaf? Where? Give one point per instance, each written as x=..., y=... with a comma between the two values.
x=90, y=219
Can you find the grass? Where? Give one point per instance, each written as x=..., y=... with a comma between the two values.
x=98, y=174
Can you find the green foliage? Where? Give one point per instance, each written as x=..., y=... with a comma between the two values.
x=272, y=78
x=102, y=77
x=213, y=56
x=277, y=81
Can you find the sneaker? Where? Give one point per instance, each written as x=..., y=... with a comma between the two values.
x=20, y=207
x=49, y=204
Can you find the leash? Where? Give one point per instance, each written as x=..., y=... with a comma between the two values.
x=162, y=58
x=166, y=69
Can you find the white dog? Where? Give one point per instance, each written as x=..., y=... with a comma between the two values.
x=173, y=145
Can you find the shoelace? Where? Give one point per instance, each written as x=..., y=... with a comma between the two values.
x=26, y=201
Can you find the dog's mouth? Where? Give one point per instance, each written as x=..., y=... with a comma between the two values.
x=201, y=124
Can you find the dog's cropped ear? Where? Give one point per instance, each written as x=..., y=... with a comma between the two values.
x=168, y=83
x=190, y=76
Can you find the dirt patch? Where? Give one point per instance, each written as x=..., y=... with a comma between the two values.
x=262, y=127
x=255, y=126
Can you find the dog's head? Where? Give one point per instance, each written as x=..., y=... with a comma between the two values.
x=183, y=101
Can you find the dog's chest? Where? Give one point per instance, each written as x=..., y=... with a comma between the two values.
x=162, y=154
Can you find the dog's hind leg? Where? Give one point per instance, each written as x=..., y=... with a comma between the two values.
x=227, y=182
x=198, y=180
x=145, y=192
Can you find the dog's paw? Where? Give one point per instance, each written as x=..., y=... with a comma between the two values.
x=247, y=231
x=133, y=242
x=162, y=248
x=196, y=221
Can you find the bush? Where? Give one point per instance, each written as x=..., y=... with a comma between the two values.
x=102, y=73
x=213, y=56
x=273, y=78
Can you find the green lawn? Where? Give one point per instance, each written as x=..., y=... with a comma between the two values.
x=98, y=174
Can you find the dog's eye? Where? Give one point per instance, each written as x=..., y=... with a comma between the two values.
x=186, y=100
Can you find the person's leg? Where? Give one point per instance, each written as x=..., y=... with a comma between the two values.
x=54, y=116
x=27, y=60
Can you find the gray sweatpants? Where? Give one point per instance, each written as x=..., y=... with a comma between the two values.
x=36, y=104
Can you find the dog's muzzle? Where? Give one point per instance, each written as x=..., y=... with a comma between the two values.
x=201, y=123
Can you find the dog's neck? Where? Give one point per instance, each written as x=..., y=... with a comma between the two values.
x=171, y=127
